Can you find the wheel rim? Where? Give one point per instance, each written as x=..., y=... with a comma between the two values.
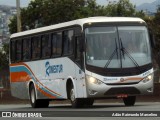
x=72, y=94
x=32, y=96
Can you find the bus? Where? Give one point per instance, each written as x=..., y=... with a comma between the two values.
x=82, y=60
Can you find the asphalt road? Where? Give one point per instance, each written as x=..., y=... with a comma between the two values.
x=141, y=110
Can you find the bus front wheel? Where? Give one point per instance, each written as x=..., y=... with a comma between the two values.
x=88, y=101
x=129, y=101
x=76, y=102
x=37, y=103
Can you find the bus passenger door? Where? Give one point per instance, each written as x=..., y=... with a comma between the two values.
x=79, y=67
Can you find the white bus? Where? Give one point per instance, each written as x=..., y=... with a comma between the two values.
x=82, y=60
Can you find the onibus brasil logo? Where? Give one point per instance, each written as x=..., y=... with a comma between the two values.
x=51, y=69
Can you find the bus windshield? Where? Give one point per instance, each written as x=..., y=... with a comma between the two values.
x=117, y=47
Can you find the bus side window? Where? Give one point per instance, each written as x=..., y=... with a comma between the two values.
x=68, y=42
x=46, y=46
x=59, y=44
x=56, y=44
x=18, y=50
x=77, y=56
x=36, y=47
x=12, y=51
x=26, y=49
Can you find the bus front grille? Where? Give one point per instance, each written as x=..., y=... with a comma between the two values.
x=122, y=83
x=122, y=90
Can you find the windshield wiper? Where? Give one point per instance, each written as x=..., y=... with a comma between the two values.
x=124, y=51
x=112, y=55
x=122, y=48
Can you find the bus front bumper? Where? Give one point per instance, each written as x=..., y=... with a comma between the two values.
x=99, y=90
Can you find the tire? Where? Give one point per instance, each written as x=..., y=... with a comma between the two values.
x=37, y=103
x=129, y=101
x=75, y=102
x=88, y=101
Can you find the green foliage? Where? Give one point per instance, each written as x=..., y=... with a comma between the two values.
x=156, y=28
x=47, y=12
x=13, y=25
x=123, y=8
x=4, y=56
x=154, y=25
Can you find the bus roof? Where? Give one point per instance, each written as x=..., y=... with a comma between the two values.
x=78, y=22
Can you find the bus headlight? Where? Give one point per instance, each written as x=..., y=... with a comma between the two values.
x=93, y=80
x=148, y=78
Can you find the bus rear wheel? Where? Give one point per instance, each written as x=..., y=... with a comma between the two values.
x=37, y=103
x=129, y=101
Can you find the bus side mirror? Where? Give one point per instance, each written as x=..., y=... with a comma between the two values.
x=152, y=39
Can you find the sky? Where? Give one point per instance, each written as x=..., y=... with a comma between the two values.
x=24, y=3
x=135, y=2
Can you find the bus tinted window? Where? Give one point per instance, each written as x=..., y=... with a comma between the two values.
x=18, y=50
x=78, y=48
x=36, y=47
x=54, y=44
x=46, y=46
x=68, y=42
x=13, y=51
x=57, y=44
x=26, y=49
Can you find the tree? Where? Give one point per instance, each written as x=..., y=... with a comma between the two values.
x=154, y=27
x=123, y=8
x=156, y=22
x=13, y=25
x=4, y=56
x=111, y=9
x=47, y=12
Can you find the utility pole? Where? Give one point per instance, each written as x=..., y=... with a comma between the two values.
x=18, y=16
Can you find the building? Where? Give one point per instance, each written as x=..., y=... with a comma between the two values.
x=4, y=21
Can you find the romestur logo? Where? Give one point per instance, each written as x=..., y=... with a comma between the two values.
x=50, y=69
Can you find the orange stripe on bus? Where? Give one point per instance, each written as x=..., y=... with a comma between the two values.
x=16, y=80
x=19, y=77
x=16, y=64
x=131, y=79
x=44, y=93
